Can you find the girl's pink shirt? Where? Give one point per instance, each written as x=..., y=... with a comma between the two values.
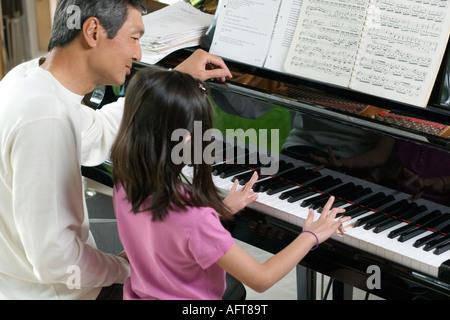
x=174, y=259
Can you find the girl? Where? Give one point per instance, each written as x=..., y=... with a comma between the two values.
x=170, y=228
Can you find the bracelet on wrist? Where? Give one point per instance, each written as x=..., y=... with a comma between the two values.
x=317, y=239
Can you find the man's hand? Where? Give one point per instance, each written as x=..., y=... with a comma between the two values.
x=204, y=66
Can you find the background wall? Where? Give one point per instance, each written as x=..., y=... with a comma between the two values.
x=24, y=30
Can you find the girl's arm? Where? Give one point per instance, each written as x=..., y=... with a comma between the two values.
x=261, y=277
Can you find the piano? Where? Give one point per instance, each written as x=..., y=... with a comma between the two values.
x=394, y=246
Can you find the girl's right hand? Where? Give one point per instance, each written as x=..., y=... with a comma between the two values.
x=326, y=225
x=239, y=199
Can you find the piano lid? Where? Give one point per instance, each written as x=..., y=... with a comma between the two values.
x=430, y=125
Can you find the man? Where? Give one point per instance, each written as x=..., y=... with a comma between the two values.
x=46, y=135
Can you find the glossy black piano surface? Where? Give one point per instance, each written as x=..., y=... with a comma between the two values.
x=308, y=118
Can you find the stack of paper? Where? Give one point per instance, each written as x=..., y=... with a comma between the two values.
x=177, y=26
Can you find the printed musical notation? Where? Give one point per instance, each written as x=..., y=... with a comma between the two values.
x=326, y=39
x=406, y=47
x=388, y=48
x=391, y=48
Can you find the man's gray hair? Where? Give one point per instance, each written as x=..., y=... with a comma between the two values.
x=70, y=16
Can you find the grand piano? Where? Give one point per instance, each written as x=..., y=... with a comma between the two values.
x=397, y=244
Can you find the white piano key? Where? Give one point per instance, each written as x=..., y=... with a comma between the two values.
x=375, y=243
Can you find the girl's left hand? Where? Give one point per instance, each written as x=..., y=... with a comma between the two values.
x=238, y=200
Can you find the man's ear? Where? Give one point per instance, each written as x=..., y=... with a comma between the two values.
x=91, y=31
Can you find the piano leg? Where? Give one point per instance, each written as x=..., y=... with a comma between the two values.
x=342, y=291
x=306, y=283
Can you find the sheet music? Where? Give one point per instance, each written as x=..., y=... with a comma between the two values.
x=402, y=49
x=326, y=40
x=244, y=30
x=283, y=34
x=387, y=48
x=173, y=27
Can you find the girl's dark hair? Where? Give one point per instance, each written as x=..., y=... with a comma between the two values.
x=112, y=15
x=158, y=103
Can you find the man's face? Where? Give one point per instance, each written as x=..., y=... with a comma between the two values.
x=114, y=57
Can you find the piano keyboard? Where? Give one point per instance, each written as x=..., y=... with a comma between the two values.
x=384, y=222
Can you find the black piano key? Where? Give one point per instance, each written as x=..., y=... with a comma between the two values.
x=295, y=172
x=397, y=207
x=425, y=240
x=232, y=171
x=442, y=222
x=315, y=185
x=284, y=185
x=386, y=214
x=364, y=205
x=354, y=195
x=365, y=222
x=277, y=185
x=301, y=177
x=313, y=200
x=258, y=186
x=444, y=246
x=287, y=194
x=408, y=214
x=386, y=224
x=413, y=232
x=342, y=192
x=218, y=169
x=284, y=166
x=330, y=184
x=374, y=198
x=321, y=183
x=419, y=227
x=375, y=220
x=395, y=233
x=410, y=227
x=339, y=190
x=413, y=210
x=432, y=244
x=377, y=204
x=321, y=200
x=354, y=212
x=320, y=204
x=244, y=177
x=266, y=182
x=376, y=216
x=298, y=197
